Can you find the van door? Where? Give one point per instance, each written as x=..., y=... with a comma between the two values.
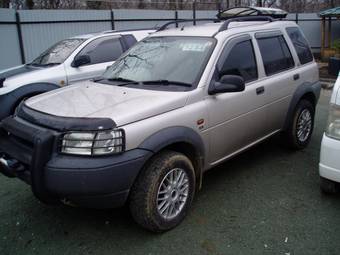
x=236, y=120
x=102, y=52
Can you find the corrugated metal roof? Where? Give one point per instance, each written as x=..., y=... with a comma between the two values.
x=331, y=12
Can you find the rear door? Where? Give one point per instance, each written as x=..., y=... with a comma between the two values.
x=280, y=77
x=102, y=52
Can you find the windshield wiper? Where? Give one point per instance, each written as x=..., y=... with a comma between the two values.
x=125, y=81
x=166, y=82
x=47, y=64
x=119, y=79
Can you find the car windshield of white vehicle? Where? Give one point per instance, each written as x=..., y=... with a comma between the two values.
x=161, y=63
x=57, y=53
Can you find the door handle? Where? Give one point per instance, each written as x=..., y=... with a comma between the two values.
x=296, y=76
x=260, y=90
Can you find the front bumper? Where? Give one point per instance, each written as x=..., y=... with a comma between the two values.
x=329, y=166
x=7, y=102
x=97, y=182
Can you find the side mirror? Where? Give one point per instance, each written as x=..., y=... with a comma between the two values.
x=81, y=60
x=227, y=83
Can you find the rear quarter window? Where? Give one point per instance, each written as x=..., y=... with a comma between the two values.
x=130, y=40
x=300, y=44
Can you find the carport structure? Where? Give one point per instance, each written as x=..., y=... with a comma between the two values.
x=329, y=14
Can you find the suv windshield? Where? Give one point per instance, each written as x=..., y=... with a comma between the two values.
x=175, y=60
x=58, y=52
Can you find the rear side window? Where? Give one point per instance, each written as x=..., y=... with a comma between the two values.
x=275, y=54
x=241, y=61
x=300, y=44
x=130, y=40
x=103, y=50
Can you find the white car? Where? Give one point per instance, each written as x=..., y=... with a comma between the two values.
x=329, y=166
x=68, y=61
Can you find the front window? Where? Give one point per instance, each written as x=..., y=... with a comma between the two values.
x=178, y=60
x=58, y=53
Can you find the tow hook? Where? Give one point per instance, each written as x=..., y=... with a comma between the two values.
x=9, y=167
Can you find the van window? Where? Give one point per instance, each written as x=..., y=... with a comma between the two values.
x=275, y=54
x=102, y=50
x=241, y=61
x=300, y=44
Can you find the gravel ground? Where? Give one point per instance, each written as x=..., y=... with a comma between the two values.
x=265, y=201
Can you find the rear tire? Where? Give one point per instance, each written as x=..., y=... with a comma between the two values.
x=328, y=186
x=163, y=192
x=300, y=128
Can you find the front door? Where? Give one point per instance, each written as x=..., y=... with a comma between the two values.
x=102, y=52
x=236, y=119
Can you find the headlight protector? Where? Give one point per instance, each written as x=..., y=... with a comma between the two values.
x=93, y=143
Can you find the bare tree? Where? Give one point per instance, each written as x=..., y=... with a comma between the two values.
x=288, y=5
x=5, y=3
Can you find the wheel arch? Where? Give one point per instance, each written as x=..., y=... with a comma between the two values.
x=180, y=139
x=308, y=91
x=11, y=100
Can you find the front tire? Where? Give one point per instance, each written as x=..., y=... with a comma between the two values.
x=328, y=186
x=301, y=126
x=163, y=192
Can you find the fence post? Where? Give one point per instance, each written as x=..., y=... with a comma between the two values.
x=296, y=18
x=194, y=12
x=21, y=43
x=219, y=6
x=112, y=20
x=176, y=17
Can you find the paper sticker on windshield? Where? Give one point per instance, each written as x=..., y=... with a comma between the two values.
x=195, y=46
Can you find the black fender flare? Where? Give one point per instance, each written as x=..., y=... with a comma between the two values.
x=177, y=134
x=10, y=100
x=304, y=89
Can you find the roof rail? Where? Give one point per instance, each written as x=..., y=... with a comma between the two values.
x=163, y=27
x=127, y=30
x=244, y=18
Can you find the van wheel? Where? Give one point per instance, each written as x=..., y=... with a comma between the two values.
x=163, y=192
x=328, y=186
x=301, y=126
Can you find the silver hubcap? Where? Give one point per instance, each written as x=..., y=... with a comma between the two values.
x=304, y=125
x=172, y=193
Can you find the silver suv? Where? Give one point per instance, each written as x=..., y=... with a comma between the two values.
x=74, y=59
x=175, y=105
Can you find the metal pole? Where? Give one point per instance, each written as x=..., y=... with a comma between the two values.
x=329, y=32
x=296, y=18
x=21, y=44
x=112, y=20
x=323, y=36
x=219, y=6
x=176, y=17
x=194, y=12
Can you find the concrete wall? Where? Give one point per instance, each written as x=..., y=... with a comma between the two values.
x=38, y=37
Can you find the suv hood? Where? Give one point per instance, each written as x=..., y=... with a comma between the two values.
x=92, y=100
x=15, y=77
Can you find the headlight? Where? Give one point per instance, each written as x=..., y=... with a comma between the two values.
x=93, y=143
x=333, y=125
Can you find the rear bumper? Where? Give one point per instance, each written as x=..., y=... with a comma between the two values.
x=97, y=182
x=329, y=166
